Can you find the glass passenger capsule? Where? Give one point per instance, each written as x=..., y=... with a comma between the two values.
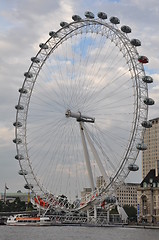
x=53, y=34
x=19, y=157
x=133, y=167
x=113, y=199
x=102, y=15
x=23, y=90
x=110, y=199
x=126, y=29
x=147, y=79
x=28, y=186
x=114, y=20
x=149, y=101
x=135, y=42
x=43, y=46
x=23, y=172
x=17, y=140
x=146, y=124
x=89, y=15
x=141, y=146
x=64, y=24
x=143, y=59
x=17, y=124
x=19, y=107
x=28, y=74
x=35, y=60
x=76, y=18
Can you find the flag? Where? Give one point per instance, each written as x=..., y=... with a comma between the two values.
x=6, y=187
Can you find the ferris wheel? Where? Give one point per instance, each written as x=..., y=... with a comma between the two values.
x=82, y=110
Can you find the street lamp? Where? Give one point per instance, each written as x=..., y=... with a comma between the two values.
x=5, y=192
x=151, y=200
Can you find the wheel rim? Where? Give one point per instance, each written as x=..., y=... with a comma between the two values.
x=72, y=72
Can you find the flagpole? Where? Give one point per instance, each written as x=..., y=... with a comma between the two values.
x=5, y=193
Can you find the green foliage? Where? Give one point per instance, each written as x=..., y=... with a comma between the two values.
x=16, y=206
x=114, y=210
x=30, y=207
x=1, y=206
x=131, y=212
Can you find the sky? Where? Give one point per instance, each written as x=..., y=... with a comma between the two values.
x=26, y=23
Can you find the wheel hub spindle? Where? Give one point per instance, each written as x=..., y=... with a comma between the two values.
x=79, y=117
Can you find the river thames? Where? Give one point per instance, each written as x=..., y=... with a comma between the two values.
x=77, y=233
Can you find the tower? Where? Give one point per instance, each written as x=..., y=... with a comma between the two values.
x=150, y=157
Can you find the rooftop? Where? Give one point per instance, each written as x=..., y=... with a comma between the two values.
x=154, y=119
x=150, y=175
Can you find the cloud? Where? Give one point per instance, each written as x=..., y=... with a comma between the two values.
x=5, y=136
x=25, y=25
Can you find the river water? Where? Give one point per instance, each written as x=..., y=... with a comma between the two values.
x=76, y=233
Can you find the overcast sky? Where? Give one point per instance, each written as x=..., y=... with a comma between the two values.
x=26, y=23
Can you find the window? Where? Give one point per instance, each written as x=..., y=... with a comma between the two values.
x=157, y=167
x=144, y=184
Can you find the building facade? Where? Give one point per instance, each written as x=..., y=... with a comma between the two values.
x=127, y=194
x=150, y=157
x=12, y=196
x=148, y=198
x=84, y=195
x=100, y=182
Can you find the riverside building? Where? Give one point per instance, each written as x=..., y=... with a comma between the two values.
x=148, y=192
x=148, y=198
x=150, y=157
x=127, y=194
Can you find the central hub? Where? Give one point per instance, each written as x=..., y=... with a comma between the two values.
x=79, y=117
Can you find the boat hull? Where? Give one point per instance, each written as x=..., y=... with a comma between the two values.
x=20, y=220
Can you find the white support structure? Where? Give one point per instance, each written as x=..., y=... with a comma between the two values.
x=96, y=156
x=87, y=215
x=86, y=154
x=95, y=212
x=108, y=218
x=123, y=214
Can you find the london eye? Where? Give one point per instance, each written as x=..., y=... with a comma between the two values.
x=82, y=110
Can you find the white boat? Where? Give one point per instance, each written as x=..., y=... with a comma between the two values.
x=27, y=220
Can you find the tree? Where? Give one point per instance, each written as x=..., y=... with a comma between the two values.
x=1, y=206
x=131, y=212
x=19, y=205
x=16, y=206
x=114, y=210
x=30, y=206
